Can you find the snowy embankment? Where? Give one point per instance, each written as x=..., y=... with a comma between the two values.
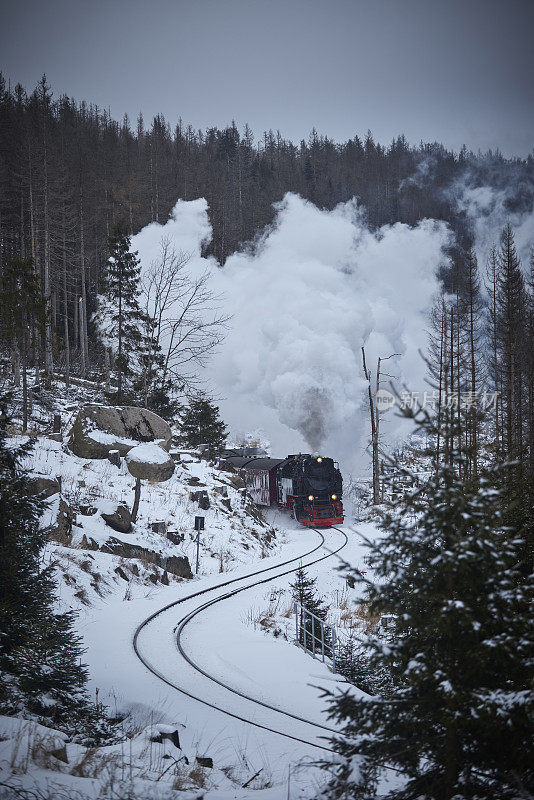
x=114, y=593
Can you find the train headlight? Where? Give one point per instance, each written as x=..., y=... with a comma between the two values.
x=310, y=498
x=319, y=460
x=334, y=497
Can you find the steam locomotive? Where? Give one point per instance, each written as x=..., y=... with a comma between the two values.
x=311, y=487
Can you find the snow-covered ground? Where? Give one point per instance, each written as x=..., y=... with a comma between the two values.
x=231, y=640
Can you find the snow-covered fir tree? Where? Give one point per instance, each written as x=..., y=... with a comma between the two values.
x=304, y=592
x=121, y=323
x=458, y=723
x=352, y=661
x=41, y=673
x=201, y=424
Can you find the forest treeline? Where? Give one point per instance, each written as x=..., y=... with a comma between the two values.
x=69, y=173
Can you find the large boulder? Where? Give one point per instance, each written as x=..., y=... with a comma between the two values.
x=98, y=429
x=150, y=463
x=120, y=519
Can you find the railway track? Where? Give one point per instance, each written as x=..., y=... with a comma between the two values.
x=186, y=619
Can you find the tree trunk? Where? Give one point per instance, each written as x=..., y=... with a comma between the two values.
x=119, y=358
x=49, y=364
x=137, y=497
x=15, y=364
x=374, y=438
x=473, y=407
x=24, y=375
x=65, y=305
x=440, y=386
x=81, y=325
x=36, y=334
x=83, y=310
x=458, y=382
x=106, y=369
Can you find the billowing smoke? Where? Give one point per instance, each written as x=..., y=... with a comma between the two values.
x=490, y=208
x=304, y=299
x=489, y=193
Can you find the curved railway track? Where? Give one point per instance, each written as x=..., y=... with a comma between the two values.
x=182, y=623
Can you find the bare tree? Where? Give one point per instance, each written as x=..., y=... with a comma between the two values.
x=375, y=420
x=186, y=321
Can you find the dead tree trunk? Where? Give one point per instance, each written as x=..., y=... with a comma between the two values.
x=137, y=498
x=65, y=303
x=374, y=433
x=83, y=310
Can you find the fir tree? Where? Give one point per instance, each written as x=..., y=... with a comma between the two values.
x=352, y=661
x=40, y=654
x=304, y=592
x=201, y=425
x=458, y=722
x=119, y=318
x=510, y=331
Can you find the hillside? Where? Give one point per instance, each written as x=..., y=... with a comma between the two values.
x=114, y=580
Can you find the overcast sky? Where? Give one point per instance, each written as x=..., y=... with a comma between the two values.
x=456, y=71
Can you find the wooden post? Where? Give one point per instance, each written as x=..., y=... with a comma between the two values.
x=137, y=497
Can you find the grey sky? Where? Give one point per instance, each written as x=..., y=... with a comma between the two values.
x=449, y=70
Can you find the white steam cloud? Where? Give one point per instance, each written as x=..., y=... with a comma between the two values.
x=489, y=210
x=316, y=287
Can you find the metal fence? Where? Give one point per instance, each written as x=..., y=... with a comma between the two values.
x=315, y=636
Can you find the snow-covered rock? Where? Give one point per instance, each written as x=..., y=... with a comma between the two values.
x=98, y=429
x=120, y=519
x=40, y=484
x=150, y=462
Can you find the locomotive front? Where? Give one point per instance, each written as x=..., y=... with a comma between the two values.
x=312, y=487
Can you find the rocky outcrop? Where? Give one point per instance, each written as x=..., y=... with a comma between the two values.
x=202, y=498
x=237, y=481
x=62, y=531
x=98, y=429
x=120, y=519
x=150, y=463
x=39, y=484
x=177, y=565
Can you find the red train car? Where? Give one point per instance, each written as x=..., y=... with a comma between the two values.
x=311, y=487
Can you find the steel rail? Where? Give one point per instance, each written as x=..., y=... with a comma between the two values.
x=185, y=621
x=162, y=677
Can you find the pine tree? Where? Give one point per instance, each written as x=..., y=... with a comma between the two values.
x=530, y=361
x=304, y=592
x=119, y=318
x=40, y=654
x=347, y=660
x=201, y=425
x=458, y=722
x=471, y=323
x=510, y=333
